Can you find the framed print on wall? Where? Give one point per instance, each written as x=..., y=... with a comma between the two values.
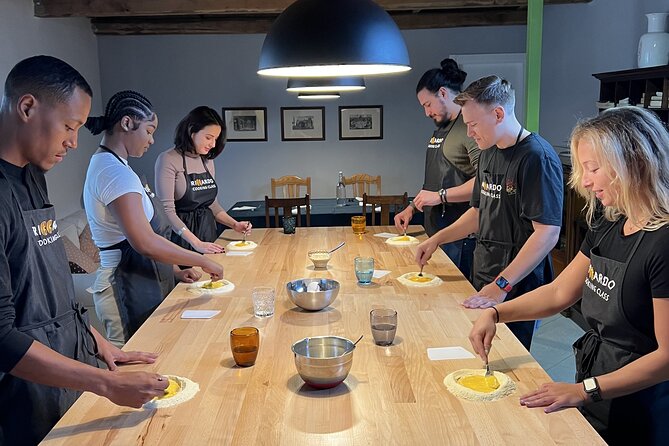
x=302, y=123
x=246, y=123
x=361, y=122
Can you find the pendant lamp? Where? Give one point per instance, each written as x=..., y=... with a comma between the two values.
x=329, y=95
x=312, y=85
x=326, y=38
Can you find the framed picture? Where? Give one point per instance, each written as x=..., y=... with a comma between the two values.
x=361, y=122
x=246, y=124
x=302, y=123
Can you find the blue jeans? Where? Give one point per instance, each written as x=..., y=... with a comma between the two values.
x=461, y=253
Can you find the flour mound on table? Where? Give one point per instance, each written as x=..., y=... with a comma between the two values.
x=506, y=386
x=178, y=391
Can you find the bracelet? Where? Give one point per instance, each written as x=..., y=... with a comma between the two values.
x=496, y=315
x=442, y=196
x=181, y=231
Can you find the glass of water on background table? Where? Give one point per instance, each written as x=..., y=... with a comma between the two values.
x=384, y=325
x=263, y=301
x=364, y=269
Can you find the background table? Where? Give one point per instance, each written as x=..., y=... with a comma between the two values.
x=324, y=212
x=393, y=395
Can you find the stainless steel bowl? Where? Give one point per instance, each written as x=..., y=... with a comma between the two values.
x=323, y=362
x=312, y=300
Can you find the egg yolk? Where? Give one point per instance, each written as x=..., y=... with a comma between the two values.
x=479, y=383
x=173, y=388
x=420, y=279
x=403, y=238
x=240, y=244
x=212, y=285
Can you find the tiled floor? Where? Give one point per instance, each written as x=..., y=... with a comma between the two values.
x=551, y=347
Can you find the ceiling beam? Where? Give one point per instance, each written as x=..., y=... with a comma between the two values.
x=135, y=8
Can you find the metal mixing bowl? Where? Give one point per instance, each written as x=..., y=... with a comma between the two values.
x=323, y=362
x=312, y=300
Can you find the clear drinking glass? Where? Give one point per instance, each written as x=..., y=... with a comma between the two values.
x=384, y=325
x=263, y=301
x=358, y=224
x=245, y=343
x=364, y=269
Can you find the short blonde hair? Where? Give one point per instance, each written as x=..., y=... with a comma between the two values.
x=632, y=144
x=489, y=90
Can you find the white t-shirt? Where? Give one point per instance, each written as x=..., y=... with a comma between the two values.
x=106, y=180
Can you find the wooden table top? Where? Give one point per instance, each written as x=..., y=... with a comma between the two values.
x=393, y=395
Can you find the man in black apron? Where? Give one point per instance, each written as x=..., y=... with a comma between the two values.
x=516, y=204
x=47, y=348
x=450, y=163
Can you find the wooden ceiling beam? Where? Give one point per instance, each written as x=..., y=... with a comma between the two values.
x=135, y=8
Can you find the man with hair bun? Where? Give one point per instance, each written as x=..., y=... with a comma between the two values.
x=450, y=162
x=48, y=350
x=516, y=208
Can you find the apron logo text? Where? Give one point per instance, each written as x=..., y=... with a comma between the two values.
x=491, y=190
x=44, y=232
x=435, y=143
x=595, y=280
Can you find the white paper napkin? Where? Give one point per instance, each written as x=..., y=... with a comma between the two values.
x=385, y=235
x=244, y=208
x=238, y=253
x=199, y=314
x=440, y=353
x=378, y=273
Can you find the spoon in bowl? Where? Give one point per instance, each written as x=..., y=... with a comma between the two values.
x=336, y=248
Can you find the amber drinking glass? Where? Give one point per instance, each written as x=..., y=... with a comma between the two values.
x=245, y=342
x=358, y=224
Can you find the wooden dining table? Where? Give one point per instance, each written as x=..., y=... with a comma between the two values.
x=392, y=395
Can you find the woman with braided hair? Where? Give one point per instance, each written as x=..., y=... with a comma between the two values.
x=128, y=223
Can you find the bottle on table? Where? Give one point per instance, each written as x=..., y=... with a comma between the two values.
x=341, y=190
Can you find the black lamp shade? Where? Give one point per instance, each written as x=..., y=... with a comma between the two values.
x=316, y=38
x=320, y=84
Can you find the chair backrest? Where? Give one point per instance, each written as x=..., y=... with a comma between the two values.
x=290, y=185
x=385, y=201
x=287, y=204
x=362, y=184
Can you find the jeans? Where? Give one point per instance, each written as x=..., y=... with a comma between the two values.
x=461, y=253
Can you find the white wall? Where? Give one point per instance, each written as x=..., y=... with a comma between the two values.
x=23, y=35
x=180, y=72
x=579, y=40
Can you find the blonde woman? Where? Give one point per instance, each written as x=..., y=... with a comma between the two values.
x=621, y=276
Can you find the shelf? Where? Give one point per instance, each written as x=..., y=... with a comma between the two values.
x=636, y=86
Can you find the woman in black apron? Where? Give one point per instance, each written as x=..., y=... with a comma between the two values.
x=621, y=276
x=189, y=194
x=137, y=271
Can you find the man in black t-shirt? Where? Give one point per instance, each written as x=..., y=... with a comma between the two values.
x=516, y=203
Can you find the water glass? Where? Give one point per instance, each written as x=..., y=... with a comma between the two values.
x=384, y=325
x=245, y=343
x=263, y=301
x=364, y=269
x=358, y=224
x=289, y=225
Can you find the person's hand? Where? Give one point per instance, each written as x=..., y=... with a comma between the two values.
x=189, y=275
x=208, y=248
x=482, y=334
x=426, y=198
x=403, y=219
x=112, y=355
x=243, y=227
x=489, y=296
x=556, y=396
x=133, y=389
x=425, y=250
x=214, y=269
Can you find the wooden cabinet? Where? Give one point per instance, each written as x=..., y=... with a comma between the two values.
x=644, y=87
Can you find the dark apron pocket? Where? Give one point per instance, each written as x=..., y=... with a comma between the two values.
x=490, y=257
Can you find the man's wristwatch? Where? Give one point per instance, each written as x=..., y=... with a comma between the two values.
x=591, y=387
x=442, y=196
x=503, y=284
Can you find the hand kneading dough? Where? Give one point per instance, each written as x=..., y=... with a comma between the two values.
x=473, y=385
x=179, y=390
x=240, y=245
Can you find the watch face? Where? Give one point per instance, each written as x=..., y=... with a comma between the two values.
x=589, y=384
x=502, y=282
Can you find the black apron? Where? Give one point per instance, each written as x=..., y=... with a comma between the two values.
x=491, y=256
x=193, y=208
x=638, y=418
x=140, y=284
x=50, y=315
x=440, y=173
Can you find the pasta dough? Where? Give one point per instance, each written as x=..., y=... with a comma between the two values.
x=179, y=390
x=209, y=287
x=240, y=245
x=413, y=279
x=473, y=385
x=402, y=240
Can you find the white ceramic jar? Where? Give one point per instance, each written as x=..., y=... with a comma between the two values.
x=654, y=45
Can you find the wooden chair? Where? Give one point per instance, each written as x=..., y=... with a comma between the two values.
x=287, y=204
x=385, y=201
x=291, y=185
x=362, y=184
